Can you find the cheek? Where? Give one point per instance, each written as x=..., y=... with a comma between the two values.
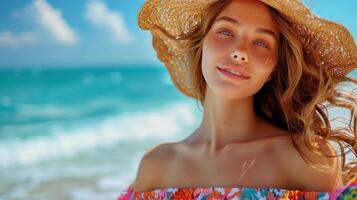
x=212, y=48
x=213, y=51
x=265, y=63
x=264, y=58
x=210, y=51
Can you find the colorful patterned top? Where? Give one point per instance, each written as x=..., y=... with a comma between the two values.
x=349, y=192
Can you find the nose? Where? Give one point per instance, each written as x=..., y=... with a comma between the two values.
x=239, y=56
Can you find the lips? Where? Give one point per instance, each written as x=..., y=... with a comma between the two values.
x=235, y=68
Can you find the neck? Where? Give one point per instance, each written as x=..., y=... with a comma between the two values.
x=227, y=121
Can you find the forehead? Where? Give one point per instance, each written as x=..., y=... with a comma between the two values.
x=252, y=13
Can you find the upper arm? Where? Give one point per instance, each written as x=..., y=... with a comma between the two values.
x=145, y=174
x=309, y=178
x=151, y=168
x=335, y=176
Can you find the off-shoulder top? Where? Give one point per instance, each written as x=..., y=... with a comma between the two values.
x=348, y=192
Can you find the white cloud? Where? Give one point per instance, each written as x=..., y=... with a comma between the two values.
x=9, y=39
x=98, y=14
x=51, y=20
x=47, y=25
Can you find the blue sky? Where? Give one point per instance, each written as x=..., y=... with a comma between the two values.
x=49, y=33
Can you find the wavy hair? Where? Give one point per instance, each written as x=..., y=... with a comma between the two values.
x=298, y=97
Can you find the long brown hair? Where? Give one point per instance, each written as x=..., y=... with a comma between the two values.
x=298, y=96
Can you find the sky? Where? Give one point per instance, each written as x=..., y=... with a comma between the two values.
x=84, y=33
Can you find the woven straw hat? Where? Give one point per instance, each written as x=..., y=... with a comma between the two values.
x=171, y=21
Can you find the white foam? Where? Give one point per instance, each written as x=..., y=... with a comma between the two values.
x=167, y=122
x=91, y=194
x=54, y=111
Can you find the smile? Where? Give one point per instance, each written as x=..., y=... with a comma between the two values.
x=232, y=74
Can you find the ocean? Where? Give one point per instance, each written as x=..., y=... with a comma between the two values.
x=79, y=133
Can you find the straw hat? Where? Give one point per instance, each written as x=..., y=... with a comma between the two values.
x=170, y=21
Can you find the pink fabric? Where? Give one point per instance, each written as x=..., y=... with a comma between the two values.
x=126, y=195
x=347, y=192
x=338, y=192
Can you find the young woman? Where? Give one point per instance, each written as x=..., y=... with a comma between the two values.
x=266, y=73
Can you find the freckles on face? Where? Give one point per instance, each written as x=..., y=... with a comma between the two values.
x=262, y=69
x=268, y=60
x=212, y=47
x=216, y=51
x=236, y=29
x=262, y=61
x=212, y=52
x=217, y=48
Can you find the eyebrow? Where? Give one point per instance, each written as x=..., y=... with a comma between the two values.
x=237, y=23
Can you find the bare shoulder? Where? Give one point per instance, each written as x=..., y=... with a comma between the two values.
x=152, y=166
x=305, y=177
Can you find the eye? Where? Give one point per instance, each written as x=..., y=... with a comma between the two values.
x=225, y=33
x=262, y=44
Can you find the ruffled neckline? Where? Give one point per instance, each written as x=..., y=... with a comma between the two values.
x=224, y=188
x=221, y=192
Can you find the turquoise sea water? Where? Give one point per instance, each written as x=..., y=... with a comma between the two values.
x=63, y=129
x=79, y=133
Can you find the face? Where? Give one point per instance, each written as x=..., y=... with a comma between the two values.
x=245, y=38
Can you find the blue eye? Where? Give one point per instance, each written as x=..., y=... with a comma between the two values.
x=262, y=44
x=226, y=33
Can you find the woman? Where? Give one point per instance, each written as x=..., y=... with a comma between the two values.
x=265, y=73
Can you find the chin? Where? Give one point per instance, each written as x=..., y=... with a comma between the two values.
x=231, y=94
